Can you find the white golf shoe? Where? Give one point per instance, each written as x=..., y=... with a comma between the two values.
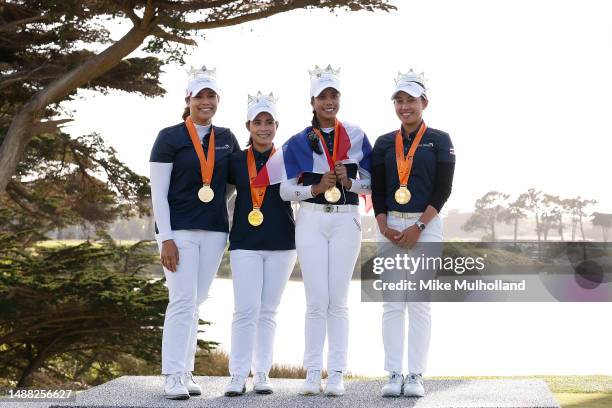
x=393, y=387
x=236, y=386
x=192, y=387
x=261, y=384
x=174, y=387
x=312, y=384
x=335, y=384
x=413, y=386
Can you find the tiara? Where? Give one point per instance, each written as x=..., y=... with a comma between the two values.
x=259, y=97
x=203, y=72
x=318, y=72
x=410, y=76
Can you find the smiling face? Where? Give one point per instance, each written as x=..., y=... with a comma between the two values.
x=409, y=109
x=203, y=106
x=326, y=106
x=262, y=130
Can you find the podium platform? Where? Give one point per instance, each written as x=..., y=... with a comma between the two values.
x=147, y=391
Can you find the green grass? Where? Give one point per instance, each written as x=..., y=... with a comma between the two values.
x=571, y=391
x=54, y=243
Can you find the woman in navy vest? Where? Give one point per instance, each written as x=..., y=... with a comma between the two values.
x=189, y=168
x=328, y=234
x=262, y=253
x=412, y=173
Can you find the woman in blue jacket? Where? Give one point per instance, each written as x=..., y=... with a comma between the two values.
x=189, y=168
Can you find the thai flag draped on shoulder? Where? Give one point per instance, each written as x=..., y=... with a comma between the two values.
x=297, y=156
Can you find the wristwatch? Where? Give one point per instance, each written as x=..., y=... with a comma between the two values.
x=420, y=225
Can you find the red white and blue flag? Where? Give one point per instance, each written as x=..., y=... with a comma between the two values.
x=297, y=156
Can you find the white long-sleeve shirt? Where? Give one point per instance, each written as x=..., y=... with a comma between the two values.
x=160, y=175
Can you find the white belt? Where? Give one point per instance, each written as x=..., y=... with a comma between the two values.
x=404, y=215
x=329, y=208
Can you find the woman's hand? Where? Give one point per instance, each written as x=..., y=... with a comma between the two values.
x=169, y=255
x=392, y=235
x=327, y=181
x=341, y=175
x=409, y=236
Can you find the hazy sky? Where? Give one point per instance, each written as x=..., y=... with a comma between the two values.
x=523, y=87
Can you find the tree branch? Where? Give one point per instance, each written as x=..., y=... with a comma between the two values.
x=204, y=25
x=158, y=32
x=14, y=24
x=19, y=133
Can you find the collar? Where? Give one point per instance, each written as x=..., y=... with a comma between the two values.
x=203, y=131
x=261, y=155
x=411, y=135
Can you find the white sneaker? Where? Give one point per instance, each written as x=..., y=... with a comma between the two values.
x=335, y=384
x=393, y=388
x=174, y=387
x=413, y=386
x=261, y=384
x=190, y=384
x=236, y=386
x=312, y=384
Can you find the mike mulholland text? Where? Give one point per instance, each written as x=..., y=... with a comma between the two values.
x=437, y=285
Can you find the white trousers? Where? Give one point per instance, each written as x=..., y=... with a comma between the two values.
x=200, y=254
x=419, y=313
x=328, y=246
x=259, y=279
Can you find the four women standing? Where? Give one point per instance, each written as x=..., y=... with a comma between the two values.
x=190, y=165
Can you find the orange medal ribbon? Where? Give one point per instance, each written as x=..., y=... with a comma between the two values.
x=330, y=159
x=404, y=163
x=257, y=193
x=332, y=195
x=207, y=165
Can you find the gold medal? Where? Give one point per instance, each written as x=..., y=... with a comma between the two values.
x=404, y=163
x=332, y=195
x=206, y=194
x=402, y=195
x=256, y=217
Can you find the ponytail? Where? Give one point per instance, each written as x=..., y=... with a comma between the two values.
x=315, y=121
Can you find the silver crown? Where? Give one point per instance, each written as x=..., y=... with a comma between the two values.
x=202, y=73
x=259, y=97
x=410, y=76
x=318, y=72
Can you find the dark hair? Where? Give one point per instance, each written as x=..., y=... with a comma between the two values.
x=186, y=111
x=250, y=142
x=315, y=121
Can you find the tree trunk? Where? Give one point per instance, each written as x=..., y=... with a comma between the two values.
x=581, y=227
x=26, y=377
x=19, y=133
x=515, y=229
x=538, y=226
